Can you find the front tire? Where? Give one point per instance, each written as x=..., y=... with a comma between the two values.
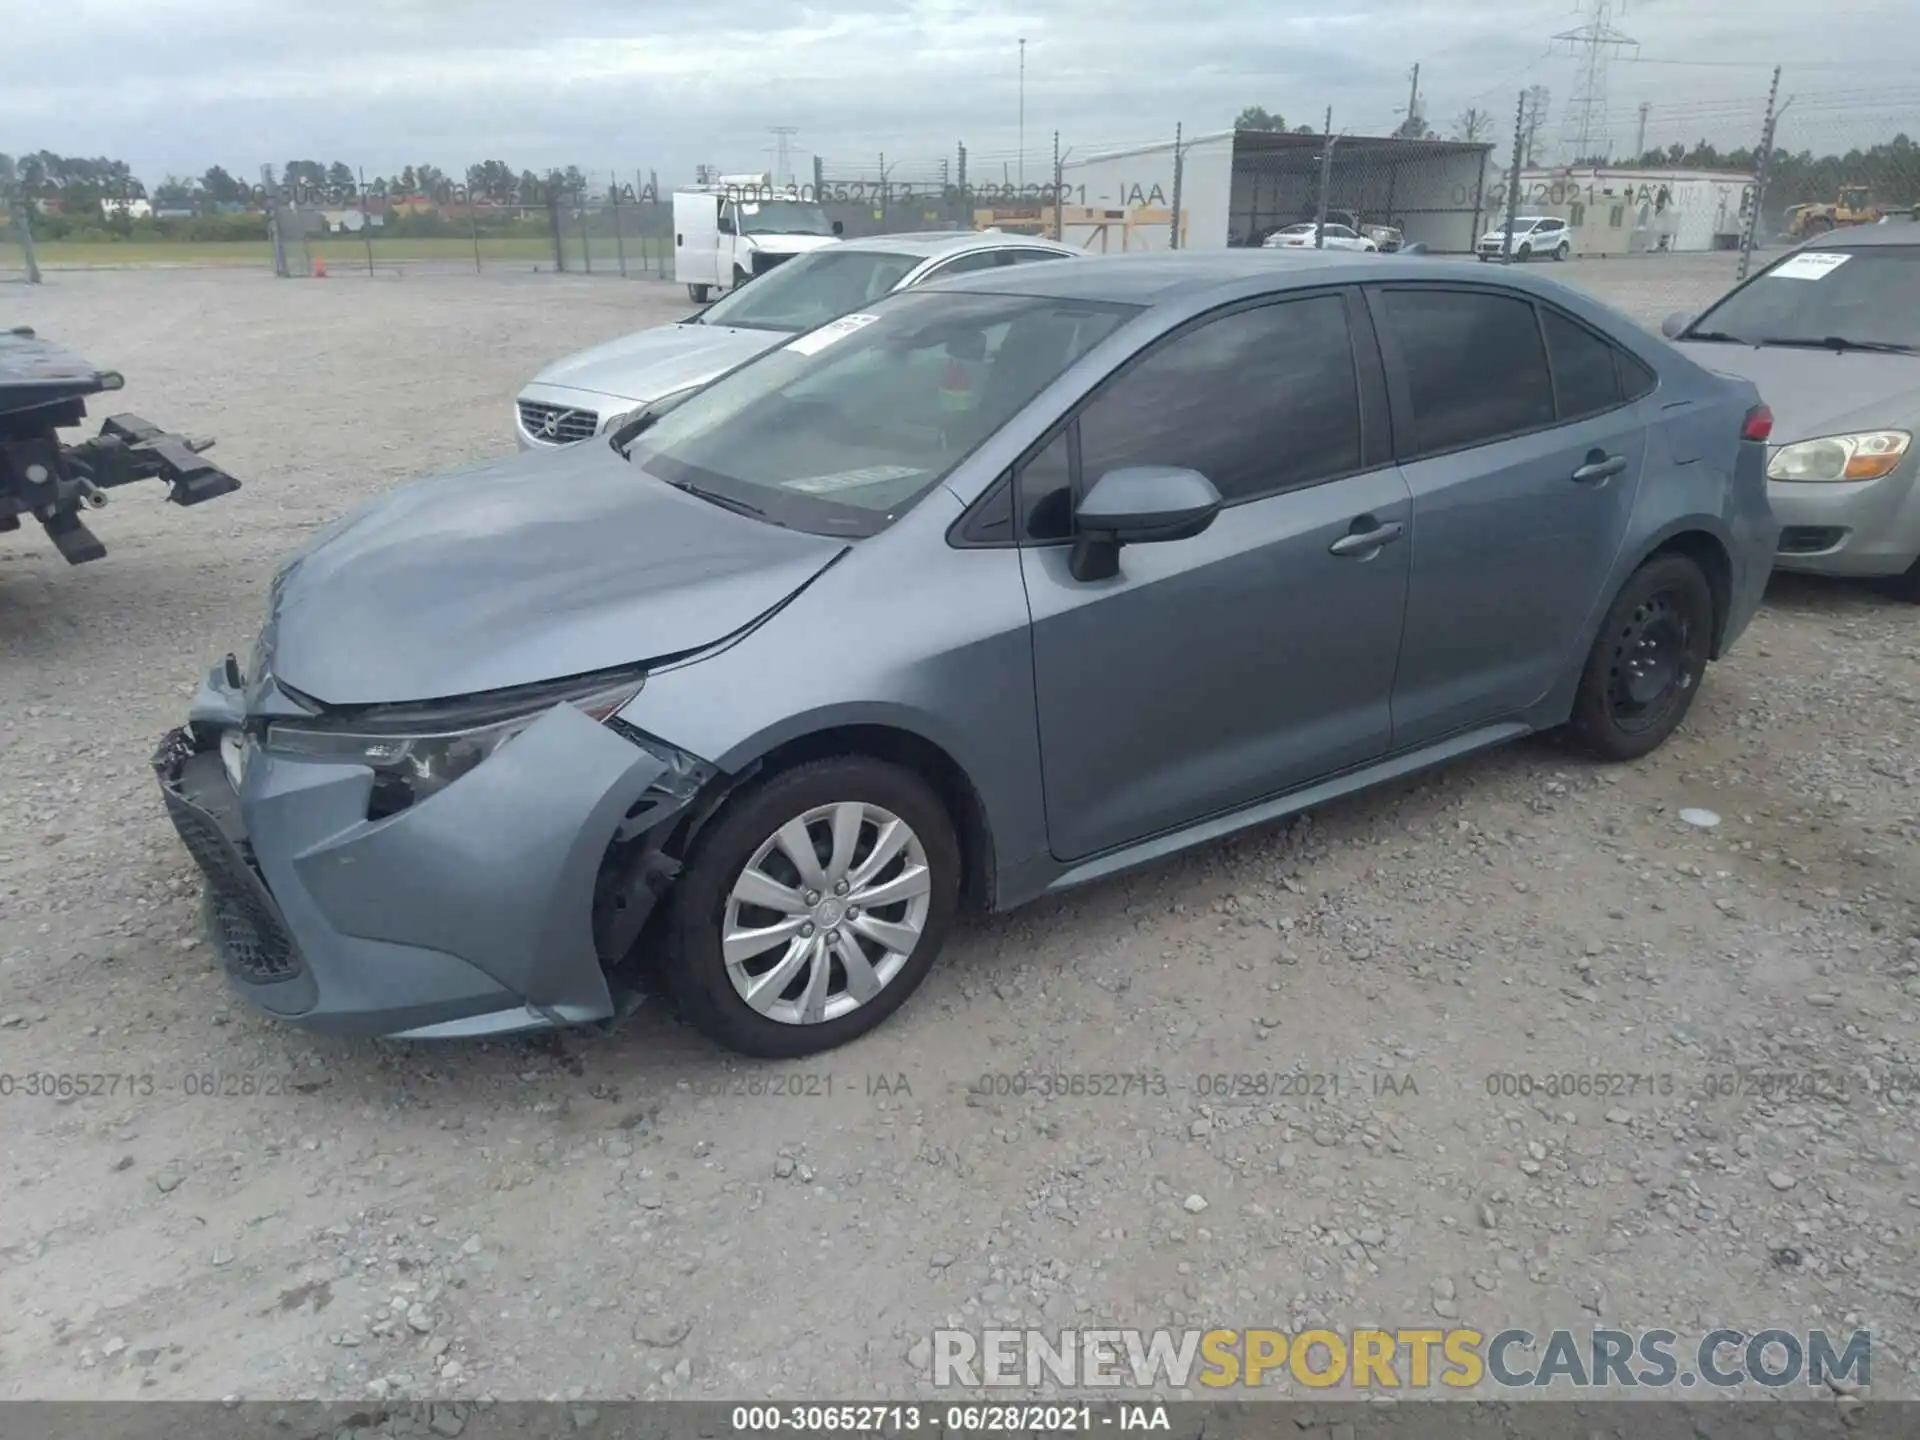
x=1647, y=661
x=812, y=907
x=1523, y=254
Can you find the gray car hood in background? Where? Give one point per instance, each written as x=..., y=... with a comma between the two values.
x=654, y=363
x=1820, y=392
x=544, y=566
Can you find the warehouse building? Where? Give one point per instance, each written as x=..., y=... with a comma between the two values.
x=1236, y=186
x=1633, y=212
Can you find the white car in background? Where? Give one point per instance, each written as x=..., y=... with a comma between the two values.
x=583, y=395
x=1300, y=237
x=1533, y=235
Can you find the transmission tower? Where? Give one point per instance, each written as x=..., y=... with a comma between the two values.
x=782, y=165
x=1583, y=123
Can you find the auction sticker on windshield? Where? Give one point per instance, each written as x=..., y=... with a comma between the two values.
x=814, y=341
x=1814, y=266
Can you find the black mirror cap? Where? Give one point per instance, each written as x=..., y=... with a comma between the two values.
x=1675, y=323
x=839, y=227
x=1140, y=504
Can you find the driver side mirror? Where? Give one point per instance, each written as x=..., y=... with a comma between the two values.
x=1137, y=505
x=1675, y=323
x=726, y=225
x=839, y=227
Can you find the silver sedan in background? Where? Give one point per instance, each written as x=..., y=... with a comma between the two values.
x=584, y=394
x=1830, y=332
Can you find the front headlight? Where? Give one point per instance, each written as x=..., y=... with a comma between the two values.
x=1864, y=456
x=415, y=751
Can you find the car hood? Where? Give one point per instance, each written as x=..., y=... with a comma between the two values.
x=1820, y=392
x=652, y=363
x=547, y=565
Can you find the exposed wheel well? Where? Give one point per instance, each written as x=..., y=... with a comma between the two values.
x=1710, y=555
x=932, y=764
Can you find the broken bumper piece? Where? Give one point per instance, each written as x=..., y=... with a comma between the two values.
x=471, y=913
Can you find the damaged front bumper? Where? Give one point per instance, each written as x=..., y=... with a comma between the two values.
x=494, y=905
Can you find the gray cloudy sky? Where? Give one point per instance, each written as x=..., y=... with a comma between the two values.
x=380, y=83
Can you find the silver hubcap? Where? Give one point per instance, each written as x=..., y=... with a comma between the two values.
x=826, y=913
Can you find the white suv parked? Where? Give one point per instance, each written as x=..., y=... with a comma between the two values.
x=1532, y=235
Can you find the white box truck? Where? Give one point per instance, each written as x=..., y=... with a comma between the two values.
x=726, y=233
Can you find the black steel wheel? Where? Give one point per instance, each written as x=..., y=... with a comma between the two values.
x=1647, y=661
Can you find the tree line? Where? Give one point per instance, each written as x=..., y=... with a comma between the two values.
x=83, y=183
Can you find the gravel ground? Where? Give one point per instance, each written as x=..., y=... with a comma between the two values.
x=610, y=1214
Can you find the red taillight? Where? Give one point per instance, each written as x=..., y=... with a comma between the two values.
x=1759, y=424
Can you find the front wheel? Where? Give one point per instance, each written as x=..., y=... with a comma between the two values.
x=1523, y=254
x=812, y=907
x=1646, y=663
x=698, y=293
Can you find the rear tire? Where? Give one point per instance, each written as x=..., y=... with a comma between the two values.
x=1565, y=250
x=698, y=293
x=1647, y=661
x=835, y=979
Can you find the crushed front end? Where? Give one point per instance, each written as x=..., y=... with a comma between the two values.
x=475, y=868
x=43, y=388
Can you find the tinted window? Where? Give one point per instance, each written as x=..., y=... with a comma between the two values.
x=1474, y=366
x=961, y=264
x=1046, y=491
x=1021, y=257
x=1636, y=380
x=1257, y=401
x=1584, y=380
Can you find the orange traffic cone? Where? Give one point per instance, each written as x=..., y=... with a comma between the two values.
x=319, y=268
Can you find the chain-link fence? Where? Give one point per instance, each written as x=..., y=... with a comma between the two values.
x=1788, y=165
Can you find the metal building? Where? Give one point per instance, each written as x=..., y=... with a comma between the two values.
x=1631, y=211
x=1236, y=186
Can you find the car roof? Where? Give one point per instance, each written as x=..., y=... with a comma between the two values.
x=1853, y=237
x=1157, y=277
x=932, y=243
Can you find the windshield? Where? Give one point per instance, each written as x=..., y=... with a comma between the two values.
x=1868, y=296
x=782, y=217
x=842, y=429
x=810, y=289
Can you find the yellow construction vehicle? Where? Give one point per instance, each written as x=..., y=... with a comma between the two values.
x=1856, y=206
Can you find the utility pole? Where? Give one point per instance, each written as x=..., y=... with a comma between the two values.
x=1640, y=143
x=1533, y=110
x=1173, y=233
x=1513, y=180
x=1760, y=179
x=1326, y=179
x=1058, y=187
x=1411, y=128
x=1022, y=181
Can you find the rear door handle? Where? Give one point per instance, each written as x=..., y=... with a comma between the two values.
x=1599, y=466
x=1365, y=542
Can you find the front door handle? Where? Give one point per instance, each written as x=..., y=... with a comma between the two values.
x=1359, y=543
x=1599, y=466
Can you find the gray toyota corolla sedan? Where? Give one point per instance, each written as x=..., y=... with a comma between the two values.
x=993, y=588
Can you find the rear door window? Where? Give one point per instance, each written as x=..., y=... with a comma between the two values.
x=1472, y=366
